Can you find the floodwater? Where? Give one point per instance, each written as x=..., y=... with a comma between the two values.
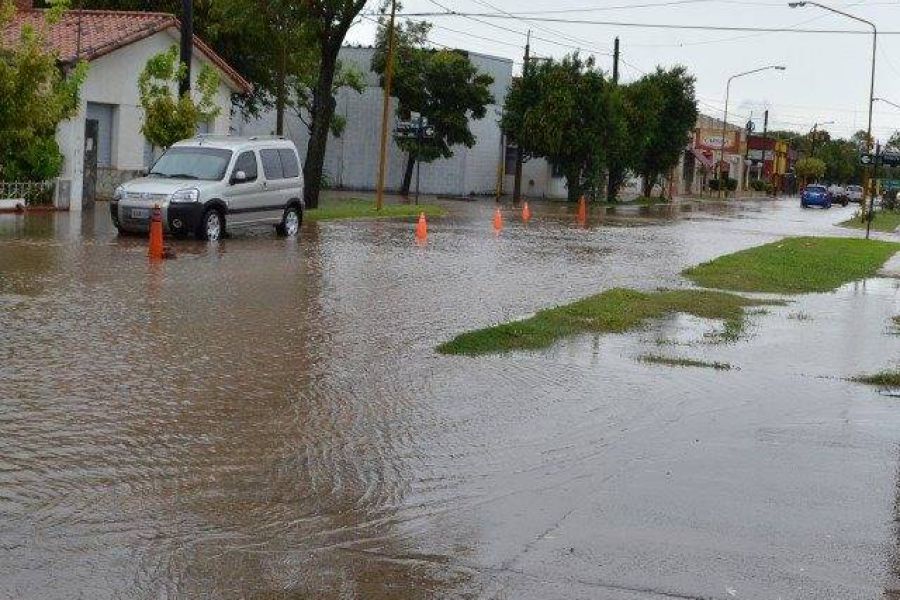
x=267, y=419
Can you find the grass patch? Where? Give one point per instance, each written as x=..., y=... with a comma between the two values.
x=671, y=361
x=886, y=221
x=613, y=311
x=358, y=208
x=882, y=379
x=795, y=265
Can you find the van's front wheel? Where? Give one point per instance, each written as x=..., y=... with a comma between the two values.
x=290, y=222
x=212, y=225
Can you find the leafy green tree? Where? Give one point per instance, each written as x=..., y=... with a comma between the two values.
x=809, y=169
x=346, y=76
x=841, y=158
x=329, y=21
x=894, y=141
x=35, y=96
x=441, y=85
x=169, y=118
x=569, y=113
x=665, y=105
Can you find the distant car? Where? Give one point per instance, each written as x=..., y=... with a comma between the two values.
x=203, y=183
x=854, y=193
x=838, y=194
x=816, y=195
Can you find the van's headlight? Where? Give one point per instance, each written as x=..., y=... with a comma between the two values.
x=187, y=195
x=119, y=194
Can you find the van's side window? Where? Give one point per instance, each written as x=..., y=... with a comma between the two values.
x=271, y=164
x=289, y=163
x=246, y=162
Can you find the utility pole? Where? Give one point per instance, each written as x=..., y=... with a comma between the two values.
x=385, y=109
x=613, y=169
x=870, y=214
x=765, y=147
x=520, y=155
x=187, y=44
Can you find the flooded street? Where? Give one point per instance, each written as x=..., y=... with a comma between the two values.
x=267, y=419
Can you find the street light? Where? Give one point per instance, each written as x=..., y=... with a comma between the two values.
x=871, y=93
x=812, y=136
x=725, y=119
x=894, y=104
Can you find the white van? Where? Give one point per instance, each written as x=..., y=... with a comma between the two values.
x=209, y=183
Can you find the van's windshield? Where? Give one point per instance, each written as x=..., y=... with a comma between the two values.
x=185, y=162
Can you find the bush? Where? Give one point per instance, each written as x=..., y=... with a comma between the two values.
x=889, y=200
x=730, y=184
x=759, y=185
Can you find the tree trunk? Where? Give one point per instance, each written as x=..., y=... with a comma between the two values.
x=573, y=184
x=322, y=111
x=407, y=174
x=281, y=91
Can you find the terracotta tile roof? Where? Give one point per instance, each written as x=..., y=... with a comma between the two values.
x=90, y=34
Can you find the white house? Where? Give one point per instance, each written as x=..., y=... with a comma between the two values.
x=105, y=136
x=351, y=161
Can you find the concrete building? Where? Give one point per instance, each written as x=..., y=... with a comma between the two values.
x=705, y=150
x=103, y=144
x=351, y=160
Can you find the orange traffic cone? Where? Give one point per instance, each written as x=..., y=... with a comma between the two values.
x=526, y=213
x=421, y=228
x=156, y=250
x=498, y=220
x=582, y=210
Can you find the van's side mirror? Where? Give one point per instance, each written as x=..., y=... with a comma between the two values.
x=238, y=177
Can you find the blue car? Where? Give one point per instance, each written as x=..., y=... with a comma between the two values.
x=816, y=195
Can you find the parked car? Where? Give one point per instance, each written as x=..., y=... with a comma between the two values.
x=815, y=195
x=838, y=194
x=209, y=183
x=854, y=193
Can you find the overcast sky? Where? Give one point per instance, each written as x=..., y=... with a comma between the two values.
x=827, y=76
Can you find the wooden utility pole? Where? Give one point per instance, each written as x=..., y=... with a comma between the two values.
x=613, y=171
x=385, y=109
x=520, y=155
x=187, y=45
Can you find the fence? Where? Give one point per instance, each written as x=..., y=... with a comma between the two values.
x=32, y=192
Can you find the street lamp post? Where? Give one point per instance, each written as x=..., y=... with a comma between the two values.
x=866, y=191
x=725, y=119
x=812, y=136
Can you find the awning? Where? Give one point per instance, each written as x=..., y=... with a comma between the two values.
x=706, y=161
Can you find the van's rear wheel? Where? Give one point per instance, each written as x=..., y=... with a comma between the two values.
x=290, y=222
x=212, y=225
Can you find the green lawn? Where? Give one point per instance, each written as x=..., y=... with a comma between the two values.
x=671, y=361
x=882, y=379
x=795, y=265
x=882, y=221
x=614, y=311
x=357, y=208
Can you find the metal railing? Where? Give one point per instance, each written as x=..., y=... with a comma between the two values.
x=31, y=192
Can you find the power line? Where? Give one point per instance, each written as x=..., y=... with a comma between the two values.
x=478, y=16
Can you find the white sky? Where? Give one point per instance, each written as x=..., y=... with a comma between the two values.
x=827, y=76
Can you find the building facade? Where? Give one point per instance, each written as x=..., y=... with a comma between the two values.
x=351, y=160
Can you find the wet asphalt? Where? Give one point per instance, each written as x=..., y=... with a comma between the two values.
x=267, y=419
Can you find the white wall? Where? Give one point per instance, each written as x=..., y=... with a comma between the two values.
x=351, y=161
x=112, y=79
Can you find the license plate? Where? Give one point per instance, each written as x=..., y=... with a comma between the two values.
x=140, y=213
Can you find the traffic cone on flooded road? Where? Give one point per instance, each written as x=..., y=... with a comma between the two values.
x=526, y=213
x=582, y=210
x=156, y=250
x=422, y=228
x=498, y=220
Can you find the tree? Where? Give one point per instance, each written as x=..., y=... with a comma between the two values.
x=35, y=96
x=809, y=168
x=894, y=141
x=862, y=140
x=167, y=117
x=441, y=85
x=569, y=113
x=665, y=108
x=301, y=101
x=841, y=159
x=328, y=23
